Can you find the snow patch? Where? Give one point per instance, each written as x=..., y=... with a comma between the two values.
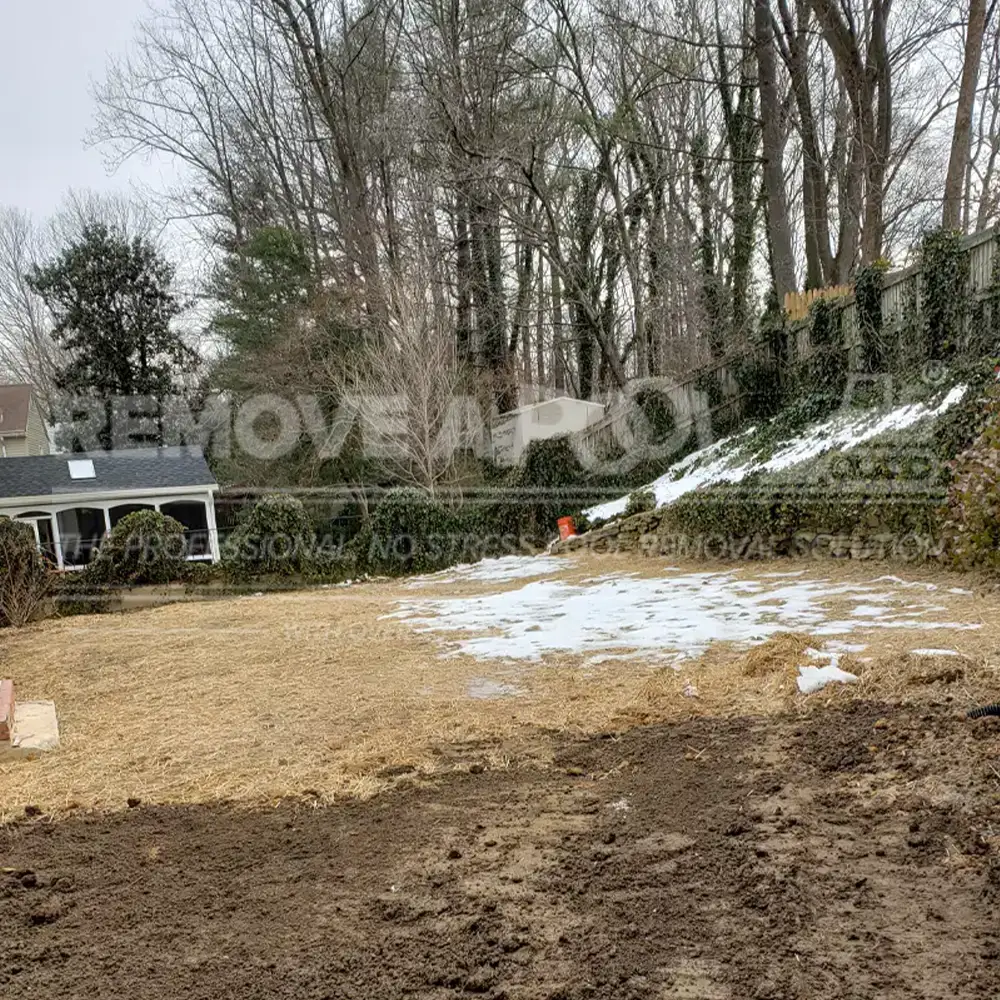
x=906, y=583
x=668, y=618
x=836, y=646
x=496, y=570
x=812, y=679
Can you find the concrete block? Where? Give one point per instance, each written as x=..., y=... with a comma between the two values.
x=35, y=730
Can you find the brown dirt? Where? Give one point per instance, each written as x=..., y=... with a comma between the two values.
x=847, y=853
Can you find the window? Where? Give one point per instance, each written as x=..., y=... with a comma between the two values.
x=115, y=514
x=193, y=515
x=42, y=525
x=81, y=468
x=80, y=530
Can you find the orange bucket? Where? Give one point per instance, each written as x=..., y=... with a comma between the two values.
x=567, y=529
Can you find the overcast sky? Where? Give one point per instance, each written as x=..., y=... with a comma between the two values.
x=51, y=51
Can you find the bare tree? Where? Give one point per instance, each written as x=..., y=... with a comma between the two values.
x=27, y=351
x=780, y=236
x=409, y=390
x=598, y=192
x=961, y=141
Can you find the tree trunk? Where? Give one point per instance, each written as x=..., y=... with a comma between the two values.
x=951, y=216
x=779, y=231
x=868, y=86
x=487, y=299
x=463, y=277
x=540, y=324
x=815, y=209
x=558, y=357
x=878, y=140
x=710, y=291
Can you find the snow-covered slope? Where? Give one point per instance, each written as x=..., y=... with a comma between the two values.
x=728, y=460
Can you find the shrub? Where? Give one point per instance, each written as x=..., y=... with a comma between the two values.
x=411, y=532
x=519, y=514
x=972, y=522
x=551, y=462
x=358, y=551
x=144, y=547
x=274, y=537
x=548, y=484
x=201, y=574
x=25, y=580
x=494, y=524
x=639, y=502
x=332, y=563
x=80, y=593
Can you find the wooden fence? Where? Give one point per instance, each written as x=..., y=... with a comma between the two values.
x=900, y=290
x=797, y=303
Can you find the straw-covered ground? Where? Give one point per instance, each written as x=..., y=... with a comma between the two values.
x=330, y=693
x=676, y=822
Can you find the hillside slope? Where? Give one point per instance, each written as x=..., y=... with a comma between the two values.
x=759, y=451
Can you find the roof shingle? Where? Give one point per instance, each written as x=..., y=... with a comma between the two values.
x=132, y=469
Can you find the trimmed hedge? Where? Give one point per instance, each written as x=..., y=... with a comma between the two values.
x=79, y=593
x=144, y=547
x=274, y=537
x=410, y=532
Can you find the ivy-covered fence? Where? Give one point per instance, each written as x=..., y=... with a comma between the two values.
x=898, y=337
x=921, y=326
x=940, y=308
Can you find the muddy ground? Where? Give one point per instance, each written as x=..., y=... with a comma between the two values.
x=848, y=853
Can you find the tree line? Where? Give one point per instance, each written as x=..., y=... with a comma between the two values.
x=556, y=193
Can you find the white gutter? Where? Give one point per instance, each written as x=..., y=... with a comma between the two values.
x=50, y=499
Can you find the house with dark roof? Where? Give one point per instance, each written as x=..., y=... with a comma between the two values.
x=72, y=501
x=22, y=427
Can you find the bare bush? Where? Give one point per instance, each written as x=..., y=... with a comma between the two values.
x=25, y=580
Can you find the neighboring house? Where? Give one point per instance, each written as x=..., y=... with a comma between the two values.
x=22, y=429
x=72, y=501
x=564, y=415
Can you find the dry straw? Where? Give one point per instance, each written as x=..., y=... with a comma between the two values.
x=315, y=693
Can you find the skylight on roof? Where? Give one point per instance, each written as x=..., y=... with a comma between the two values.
x=81, y=468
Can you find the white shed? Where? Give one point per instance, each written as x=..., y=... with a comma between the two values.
x=539, y=421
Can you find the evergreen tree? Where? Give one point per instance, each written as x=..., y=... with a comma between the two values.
x=259, y=285
x=112, y=303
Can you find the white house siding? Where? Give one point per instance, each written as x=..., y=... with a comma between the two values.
x=37, y=435
x=106, y=503
x=33, y=441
